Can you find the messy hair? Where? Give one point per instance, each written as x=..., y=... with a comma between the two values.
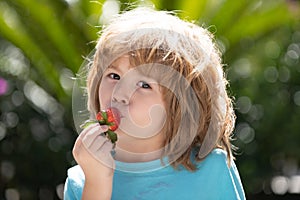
x=199, y=111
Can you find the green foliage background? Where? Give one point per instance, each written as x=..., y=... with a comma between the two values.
x=43, y=44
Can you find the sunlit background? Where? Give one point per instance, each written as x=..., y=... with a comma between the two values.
x=44, y=42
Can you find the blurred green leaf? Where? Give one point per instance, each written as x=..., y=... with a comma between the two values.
x=46, y=18
x=257, y=23
x=193, y=10
x=17, y=35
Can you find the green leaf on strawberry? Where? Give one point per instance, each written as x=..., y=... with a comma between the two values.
x=88, y=123
x=112, y=136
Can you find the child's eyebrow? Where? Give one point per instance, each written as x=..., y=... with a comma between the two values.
x=113, y=67
x=148, y=78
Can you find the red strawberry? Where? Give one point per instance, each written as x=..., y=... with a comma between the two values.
x=110, y=117
x=100, y=118
x=113, y=127
x=113, y=118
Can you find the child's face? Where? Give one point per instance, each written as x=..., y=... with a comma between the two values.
x=137, y=97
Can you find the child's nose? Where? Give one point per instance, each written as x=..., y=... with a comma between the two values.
x=121, y=94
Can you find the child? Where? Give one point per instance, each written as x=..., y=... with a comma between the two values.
x=164, y=77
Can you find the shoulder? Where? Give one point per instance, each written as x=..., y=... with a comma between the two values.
x=216, y=157
x=74, y=183
x=217, y=170
x=214, y=164
x=218, y=154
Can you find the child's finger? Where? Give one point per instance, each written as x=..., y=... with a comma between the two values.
x=89, y=135
x=97, y=143
x=106, y=147
x=100, y=149
x=103, y=154
x=87, y=130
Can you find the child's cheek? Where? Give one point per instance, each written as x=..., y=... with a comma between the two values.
x=105, y=95
x=139, y=109
x=139, y=115
x=144, y=122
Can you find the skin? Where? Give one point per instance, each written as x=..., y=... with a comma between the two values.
x=142, y=110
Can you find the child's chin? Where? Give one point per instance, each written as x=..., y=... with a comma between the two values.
x=120, y=133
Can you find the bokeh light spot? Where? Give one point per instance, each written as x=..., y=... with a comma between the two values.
x=2, y=130
x=242, y=68
x=297, y=98
x=245, y=133
x=11, y=119
x=294, y=184
x=244, y=104
x=271, y=74
x=54, y=144
x=66, y=80
x=109, y=9
x=272, y=49
x=60, y=191
x=17, y=98
x=256, y=112
x=12, y=194
x=3, y=86
x=7, y=170
x=284, y=74
x=279, y=185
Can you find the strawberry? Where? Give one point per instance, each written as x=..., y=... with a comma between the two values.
x=100, y=118
x=113, y=119
x=113, y=127
x=113, y=115
x=109, y=117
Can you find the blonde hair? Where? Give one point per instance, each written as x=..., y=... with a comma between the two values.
x=201, y=118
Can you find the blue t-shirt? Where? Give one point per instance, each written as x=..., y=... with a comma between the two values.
x=213, y=180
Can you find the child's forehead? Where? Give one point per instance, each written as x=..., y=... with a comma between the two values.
x=127, y=62
x=121, y=62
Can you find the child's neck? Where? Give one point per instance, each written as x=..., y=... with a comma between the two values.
x=130, y=157
x=131, y=149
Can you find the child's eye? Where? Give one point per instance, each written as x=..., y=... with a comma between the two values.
x=114, y=76
x=143, y=84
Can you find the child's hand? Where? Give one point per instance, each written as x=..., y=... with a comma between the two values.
x=92, y=151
